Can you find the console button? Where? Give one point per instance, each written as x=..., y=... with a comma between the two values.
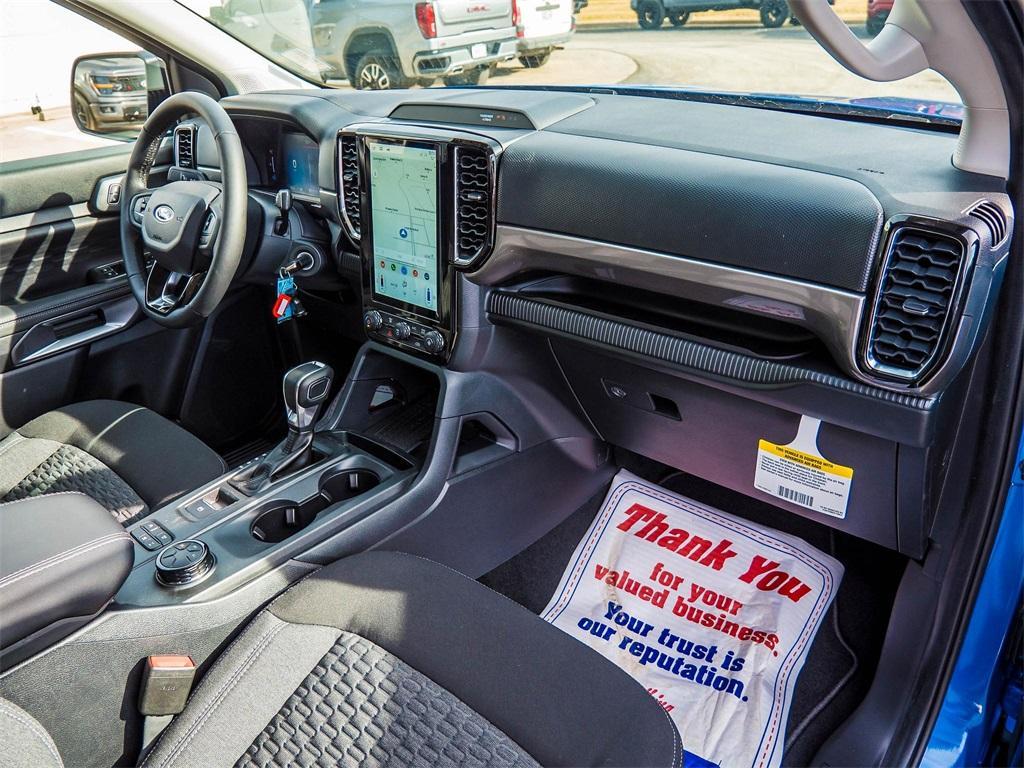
x=198, y=508
x=146, y=540
x=373, y=320
x=402, y=330
x=157, y=535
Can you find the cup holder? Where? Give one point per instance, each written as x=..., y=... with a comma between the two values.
x=347, y=484
x=278, y=519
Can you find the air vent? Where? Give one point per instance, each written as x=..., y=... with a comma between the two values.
x=348, y=179
x=915, y=301
x=993, y=217
x=474, y=204
x=184, y=146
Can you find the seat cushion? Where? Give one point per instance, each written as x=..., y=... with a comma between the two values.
x=128, y=458
x=389, y=659
x=26, y=744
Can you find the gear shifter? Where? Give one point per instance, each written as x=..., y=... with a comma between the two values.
x=306, y=388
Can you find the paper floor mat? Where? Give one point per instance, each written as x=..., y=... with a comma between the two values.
x=712, y=614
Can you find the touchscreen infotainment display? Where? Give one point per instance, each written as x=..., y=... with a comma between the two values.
x=301, y=160
x=403, y=197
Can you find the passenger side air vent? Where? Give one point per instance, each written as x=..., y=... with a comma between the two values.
x=474, y=204
x=916, y=299
x=184, y=146
x=993, y=217
x=348, y=179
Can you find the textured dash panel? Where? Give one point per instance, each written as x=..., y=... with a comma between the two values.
x=504, y=306
x=770, y=218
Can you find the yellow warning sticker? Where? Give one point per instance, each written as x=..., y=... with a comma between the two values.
x=807, y=459
x=806, y=479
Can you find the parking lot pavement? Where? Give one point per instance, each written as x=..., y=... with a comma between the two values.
x=25, y=136
x=575, y=65
x=748, y=59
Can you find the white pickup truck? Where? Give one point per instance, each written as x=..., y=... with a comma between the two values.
x=396, y=44
x=541, y=26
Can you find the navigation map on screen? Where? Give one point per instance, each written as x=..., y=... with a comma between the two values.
x=403, y=194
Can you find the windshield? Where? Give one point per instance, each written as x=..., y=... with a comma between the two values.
x=736, y=47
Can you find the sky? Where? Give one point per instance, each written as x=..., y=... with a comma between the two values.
x=39, y=42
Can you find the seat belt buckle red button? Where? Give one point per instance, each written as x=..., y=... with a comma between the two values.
x=166, y=683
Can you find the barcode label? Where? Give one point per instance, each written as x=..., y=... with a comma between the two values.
x=797, y=473
x=796, y=497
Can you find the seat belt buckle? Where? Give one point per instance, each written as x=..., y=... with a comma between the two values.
x=166, y=684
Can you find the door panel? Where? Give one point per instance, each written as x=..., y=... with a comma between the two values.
x=44, y=260
x=57, y=182
x=62, y=288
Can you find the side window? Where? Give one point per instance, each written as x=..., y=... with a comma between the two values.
x=67, y=83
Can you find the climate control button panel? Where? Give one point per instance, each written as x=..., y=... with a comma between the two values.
x=404, y=333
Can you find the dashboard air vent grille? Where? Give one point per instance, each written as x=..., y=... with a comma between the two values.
x=993, y=217
x=474, y=204
x=914, y=303
x=348, y=178
x=184, y=146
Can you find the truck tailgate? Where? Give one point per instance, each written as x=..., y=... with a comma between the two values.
x=455, y=17
x=540, y=18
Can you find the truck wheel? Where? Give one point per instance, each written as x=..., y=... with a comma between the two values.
x=774, y=13
x=650, y=14
x=476, y=76
x=535, y=59
x=678, y=18
x=84, y=114
x=377, y=72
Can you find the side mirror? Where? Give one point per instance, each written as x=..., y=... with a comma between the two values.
x=112, y=93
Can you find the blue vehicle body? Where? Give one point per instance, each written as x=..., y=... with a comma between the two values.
x=983, y=700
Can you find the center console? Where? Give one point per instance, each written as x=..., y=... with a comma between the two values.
x=420, y=203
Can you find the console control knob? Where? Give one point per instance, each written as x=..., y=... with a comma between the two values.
x=402, y=331
x=373, y=320
x=433, y=342
x=184, y=562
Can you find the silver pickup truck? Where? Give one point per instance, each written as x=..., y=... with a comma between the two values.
x=379, y=44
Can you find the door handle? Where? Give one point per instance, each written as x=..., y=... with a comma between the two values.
x=75, y=329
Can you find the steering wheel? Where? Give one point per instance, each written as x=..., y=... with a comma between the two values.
x=194, y=230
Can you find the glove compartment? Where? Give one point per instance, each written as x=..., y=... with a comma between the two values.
x=715, y=434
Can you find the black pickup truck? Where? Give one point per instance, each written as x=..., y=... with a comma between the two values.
x=651, y=14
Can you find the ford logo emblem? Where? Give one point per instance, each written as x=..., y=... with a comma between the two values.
x=163, y=213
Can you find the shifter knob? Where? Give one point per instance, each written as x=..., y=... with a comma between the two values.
x=306, y=388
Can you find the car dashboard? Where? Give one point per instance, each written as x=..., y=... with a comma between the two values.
x=702, y=276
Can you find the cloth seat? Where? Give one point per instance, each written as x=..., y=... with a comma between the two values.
x=126, y=457
x=385, y=659
x=389, y=659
